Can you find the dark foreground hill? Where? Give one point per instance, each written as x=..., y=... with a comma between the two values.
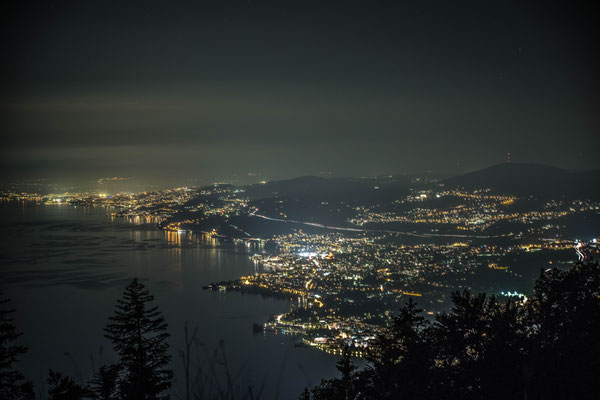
x=531, y=179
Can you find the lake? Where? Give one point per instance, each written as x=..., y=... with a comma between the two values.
x=64, y=267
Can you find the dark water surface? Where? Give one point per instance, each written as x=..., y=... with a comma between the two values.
x=64, y=267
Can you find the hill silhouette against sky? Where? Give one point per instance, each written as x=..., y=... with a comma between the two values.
x=523, y=179
x=531, y=179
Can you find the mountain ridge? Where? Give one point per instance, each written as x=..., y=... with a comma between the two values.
x=530, y=179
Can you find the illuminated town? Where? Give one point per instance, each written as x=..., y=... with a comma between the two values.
x=347, y=264
x=366, y=200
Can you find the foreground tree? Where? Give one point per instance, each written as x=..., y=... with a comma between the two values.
x=61, y=387
x=400, y=358
x=547, y=348
x=563, y=317
x=12, y=385
x=138, y=333
x=342, y=388
x=478, y=348
x=104, y=385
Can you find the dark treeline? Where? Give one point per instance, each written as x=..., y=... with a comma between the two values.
x=545, y=348
x=137, y=331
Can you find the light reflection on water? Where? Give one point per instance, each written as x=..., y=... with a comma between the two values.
x=64, y=268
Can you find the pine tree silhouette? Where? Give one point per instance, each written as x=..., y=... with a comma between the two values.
x=138, y=333
x=61, y=387
x=346, y=369
x=11, y=380
x=104, y=384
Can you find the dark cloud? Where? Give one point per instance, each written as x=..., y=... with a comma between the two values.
x=167, y=92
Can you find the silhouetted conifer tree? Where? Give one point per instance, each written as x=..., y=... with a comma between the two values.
x=563, y=317
x=12, y=385
x=342, y=388
x=478, y=348
x=61, y=387
x=346, y=367
x=138, y=333
x=104, y=385
x=400, y=357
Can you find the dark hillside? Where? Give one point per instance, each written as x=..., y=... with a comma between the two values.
x=531, y=179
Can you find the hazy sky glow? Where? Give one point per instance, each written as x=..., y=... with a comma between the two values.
x=164, y=92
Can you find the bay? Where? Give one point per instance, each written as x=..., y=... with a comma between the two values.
x=64, y=268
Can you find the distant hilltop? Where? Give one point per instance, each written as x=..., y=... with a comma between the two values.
x=522, y=179
x=531, y=179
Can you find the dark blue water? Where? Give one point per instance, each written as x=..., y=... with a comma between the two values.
x=64, y=267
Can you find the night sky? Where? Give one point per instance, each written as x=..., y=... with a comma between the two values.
x=165, y=93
